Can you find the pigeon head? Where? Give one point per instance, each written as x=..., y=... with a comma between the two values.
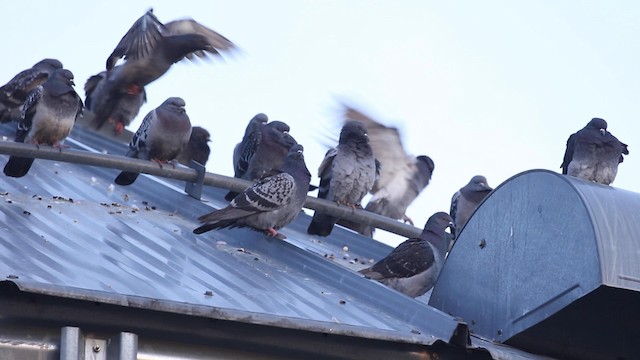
x=353, y=131
x=479, y=182
x=424, y=160
x=279, y=126
x=200, y=135
x=438, y=224
x=48, y=65
x=598, y=124
x=260, y=118
x=175, y=103
x=63, y=75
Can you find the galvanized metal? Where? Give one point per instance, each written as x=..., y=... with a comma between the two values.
x=66, y=231
x=192, y=176
x=550, y=263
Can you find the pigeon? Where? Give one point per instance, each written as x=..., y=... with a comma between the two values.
x=465, y=201
x=347, y=174
x=263, y=153
x=402, y=176
x=163, y=134
x=122, y=112
x=149, y=48
x=253, y=125
x=413, y=267
x=593, y=153
x=197, y=148
x=269, y=204
x=47, y=117
x=14, y=93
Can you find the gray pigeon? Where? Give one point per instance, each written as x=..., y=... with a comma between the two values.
x=197, y=148
x=122, y=112
x=347, y=174
x=149, y=48
x=253, y=125
x=465, y=201
x=14, y=93
x=593, y=154
x=163, y=134
x=268, y=205
x=402, y=176
x=413, y=267
x=48, y=114
x=263, y=153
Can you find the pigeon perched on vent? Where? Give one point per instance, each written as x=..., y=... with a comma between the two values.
x=270, y=204
x=149, y=48
x=163, y=134
x=347, y=174
x=47, y=117
x=465, y=201
x=263, y=153
x=413, y=267
x=593, y=153
x=14, y=93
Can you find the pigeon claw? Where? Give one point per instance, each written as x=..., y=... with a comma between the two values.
x=119, y=129
x=407, y=220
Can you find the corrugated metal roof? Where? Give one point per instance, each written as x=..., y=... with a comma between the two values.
x=65, y=230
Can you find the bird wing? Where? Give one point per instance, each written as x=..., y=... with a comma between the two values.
x=90, y=86
x=411, y=257
x=30, y=104
x=18, y=88
x=325, y=172
x=139, y=139
x=139, y=41
x=568, y=154
x=386, y=145
x=216, y=41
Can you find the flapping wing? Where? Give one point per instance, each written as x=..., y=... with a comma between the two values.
x=139, y=41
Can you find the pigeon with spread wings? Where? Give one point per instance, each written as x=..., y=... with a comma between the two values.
x=149, y=49
x=402, y=176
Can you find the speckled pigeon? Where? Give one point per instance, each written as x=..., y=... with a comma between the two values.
x=122, y=112
x=270, y=204
x=163, y=134
x=347, y=174
x=465, y=201
x=197, y=148
x=149, y=48
x=48, y=115
x=402, y=176
x=14, y=93
x=239, y=167
x=413, y=267
x=593, y=154
x=264, y=152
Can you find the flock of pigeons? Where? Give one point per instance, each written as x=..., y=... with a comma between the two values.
x=368, y=159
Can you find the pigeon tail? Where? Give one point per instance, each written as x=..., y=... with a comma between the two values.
x=230, y=195
x=321, y=225
x=18, y=166
x=126, y=178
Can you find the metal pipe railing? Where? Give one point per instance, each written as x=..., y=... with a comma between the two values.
x=191, y=175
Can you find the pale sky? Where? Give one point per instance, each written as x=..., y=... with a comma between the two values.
x=482, y=87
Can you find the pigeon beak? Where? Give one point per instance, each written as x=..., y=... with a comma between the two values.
x=603, y=131
x=72, y=82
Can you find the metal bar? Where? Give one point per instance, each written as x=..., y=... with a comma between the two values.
x=71, y=343
x=123, y=346
x=191, y=175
